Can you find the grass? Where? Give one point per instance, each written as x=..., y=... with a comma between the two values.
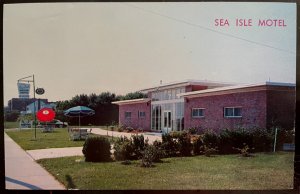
x=57, y=139
x=264, y=171
x=10, y=125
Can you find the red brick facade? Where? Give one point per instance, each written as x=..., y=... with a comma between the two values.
x=262, y=106
x=281, y=103
x=253, y=106
x=135, y=121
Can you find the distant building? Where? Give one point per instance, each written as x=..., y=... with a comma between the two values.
x=23, y=89
x=210, y=105
x=19, y=104
x=38, y=104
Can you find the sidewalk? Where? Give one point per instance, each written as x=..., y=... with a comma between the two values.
x=55, y=152
x=77, y=151
x=22, y=172
x=99, y=131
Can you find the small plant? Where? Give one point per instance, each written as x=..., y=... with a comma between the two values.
x=185, y=145
x=96, y=149
x=170, y=145
x=209, y=151
x=197, y=144
x=150, y=154
x=210, y=138
x=192, y=130
x=129, y=129
x=138, y=145
x=123, y=149
x=161, y=153
x=245, y=150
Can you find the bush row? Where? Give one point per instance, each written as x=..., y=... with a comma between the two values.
x=185, y=144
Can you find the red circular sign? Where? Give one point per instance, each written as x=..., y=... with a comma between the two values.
x=45, y=115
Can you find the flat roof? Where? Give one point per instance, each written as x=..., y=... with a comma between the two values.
x=133, y=101
x=187, y=83
x=235, y=87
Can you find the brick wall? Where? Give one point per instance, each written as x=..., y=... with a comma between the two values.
x=135, y=121
x=281, y=107
x=253, y=110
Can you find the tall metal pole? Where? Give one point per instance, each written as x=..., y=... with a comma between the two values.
x=34, y=107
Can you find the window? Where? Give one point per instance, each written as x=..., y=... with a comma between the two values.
x=232, y=112
x=142, y=114
x=127, y=115
x=197, y=112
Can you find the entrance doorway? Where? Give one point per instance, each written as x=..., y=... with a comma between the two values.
x=167, y=126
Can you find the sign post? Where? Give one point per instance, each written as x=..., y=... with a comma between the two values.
x=25, y=80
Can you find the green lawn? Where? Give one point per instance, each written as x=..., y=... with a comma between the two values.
x=10, y=125
x=264, y=171
x=57, y=139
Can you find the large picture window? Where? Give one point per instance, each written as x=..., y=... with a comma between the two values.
x=232, y=112
x=197, y=112
x=127, y=115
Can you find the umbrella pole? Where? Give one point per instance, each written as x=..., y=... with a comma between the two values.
x=79, y=121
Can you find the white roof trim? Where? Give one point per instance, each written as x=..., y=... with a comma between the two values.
x=235, y=87
x=140, y=100
x=186, y=83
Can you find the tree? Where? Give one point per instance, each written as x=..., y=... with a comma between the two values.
x=133, y=95
x=11, y=116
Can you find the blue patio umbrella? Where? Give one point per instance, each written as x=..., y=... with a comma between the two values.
x=79, y=111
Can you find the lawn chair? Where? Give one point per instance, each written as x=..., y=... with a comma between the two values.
x=47, y=128
x=77, y=134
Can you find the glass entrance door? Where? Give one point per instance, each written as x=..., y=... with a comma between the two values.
x=167, y=121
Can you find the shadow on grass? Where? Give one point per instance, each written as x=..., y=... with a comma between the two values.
x=70, y=183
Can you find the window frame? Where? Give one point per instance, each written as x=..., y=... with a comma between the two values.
x=233, y=108
x=139, y=114
x=126, y=116
x=203, y=115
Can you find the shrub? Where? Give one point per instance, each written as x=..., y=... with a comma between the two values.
x=184, y=144
x=229, y=139
x=129, y=129
x=192, y=130
x=197, y=145
x=209, y=151
x=123, y=149
x=245, y=150
x=130, y=149
x=161, y=153
x=150, y=155
x=96, y=149
x=210, y=138
x=283, y=136
x=138, y=144
x=226, y=142
x=170, y=145
x=262, y=140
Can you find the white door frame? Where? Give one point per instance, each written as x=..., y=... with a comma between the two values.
x=167, y=121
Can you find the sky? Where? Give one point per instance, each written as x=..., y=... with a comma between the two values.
x=84, y=48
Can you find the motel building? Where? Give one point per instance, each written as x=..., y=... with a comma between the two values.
x=210, y=105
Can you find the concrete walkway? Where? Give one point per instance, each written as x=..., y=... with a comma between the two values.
x=99, y=131
x=55, y=152
x=77, y=151
x=22, y=172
